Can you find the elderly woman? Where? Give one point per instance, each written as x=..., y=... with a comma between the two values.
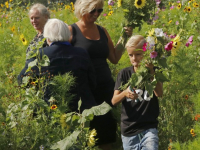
x=38, y=15
x=66, y=58
x=96, y=40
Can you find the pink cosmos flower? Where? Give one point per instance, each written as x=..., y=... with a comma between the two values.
x=187, y=44
x=153, y=54
x=144, y=47
x=190, y=40
x=172, y=7
x=169, y=46
x=178, y=1
x=104, y=15
x=177, y=23
x=156, y=17
x=172, y=36
x=111, y=2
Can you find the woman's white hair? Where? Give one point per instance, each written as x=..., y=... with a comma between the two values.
x=41, y=8
x=136, y=41
x=83, y=7
x=56, y=30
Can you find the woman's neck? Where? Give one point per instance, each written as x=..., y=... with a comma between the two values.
x=86, y=24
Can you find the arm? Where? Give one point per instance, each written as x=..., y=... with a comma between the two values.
x=158, y=91
x=119, y=96
x=70, y=29
x=114, y=54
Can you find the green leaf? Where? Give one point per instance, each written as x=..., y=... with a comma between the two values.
x=31, y=64
x=45, y=61
x=149, y=87
x=160, y=77
x=163, y=62
x=25, y=80
x=67, y=142
x=79, y=104
x=97, y=110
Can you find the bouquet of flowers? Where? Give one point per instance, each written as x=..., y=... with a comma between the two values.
x=158, y=48
x=135, y=13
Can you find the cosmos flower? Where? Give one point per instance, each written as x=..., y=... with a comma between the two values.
x=177, y=23
x=153, y=54
x=159, y=32
x=169, y=46
x=151, y=40
x=189, y=42
x=111, y=2
x=144, y=47
x=139, y=4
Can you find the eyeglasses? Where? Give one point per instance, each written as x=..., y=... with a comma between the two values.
x=96, y=10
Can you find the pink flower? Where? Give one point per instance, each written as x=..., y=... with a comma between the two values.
x=111, y=2
x=187, y=44
x=153, y=54
x=172, y=7
x=190, y=40
x=178, y=1
x=177, y=23
x=172, y=36
x=104, y=14
x=144, y=47
x=169, y=46
x=156, y=17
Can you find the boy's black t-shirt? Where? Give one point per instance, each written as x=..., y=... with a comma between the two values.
x=136, y=116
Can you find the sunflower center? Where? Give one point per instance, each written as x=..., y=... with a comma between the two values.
x=139, y=2
x=23, y=40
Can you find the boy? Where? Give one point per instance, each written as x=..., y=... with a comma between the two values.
x=138, y=118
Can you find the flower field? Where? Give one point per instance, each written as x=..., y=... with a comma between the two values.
x=172, y=30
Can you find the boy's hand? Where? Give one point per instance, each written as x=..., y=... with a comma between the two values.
x=131, y=95
x=150, y=66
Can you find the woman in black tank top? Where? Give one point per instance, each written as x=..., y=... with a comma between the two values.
x=96, y=40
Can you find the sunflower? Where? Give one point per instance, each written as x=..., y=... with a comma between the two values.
x=13, y=29
x=192, y=132
x=22, y=38
x=119, y=3
x=189, y=9
x=63, y=121
x=92, y=140
x=170, y=21
x=110, y=13
x=67, y=7
x=140, y=3
x=179, y=6
x=195, y=5
x=190, y=1
x=53, y=107
x=170, y=147
x=7, y=4
x=185, y=9
x=176, y=44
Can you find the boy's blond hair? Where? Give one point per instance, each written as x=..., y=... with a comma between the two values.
x=136, y=41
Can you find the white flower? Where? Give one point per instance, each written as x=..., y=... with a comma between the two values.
x=151, y=40
x=159, y=32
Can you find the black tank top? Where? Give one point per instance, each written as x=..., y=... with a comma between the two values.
x=98, y=51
